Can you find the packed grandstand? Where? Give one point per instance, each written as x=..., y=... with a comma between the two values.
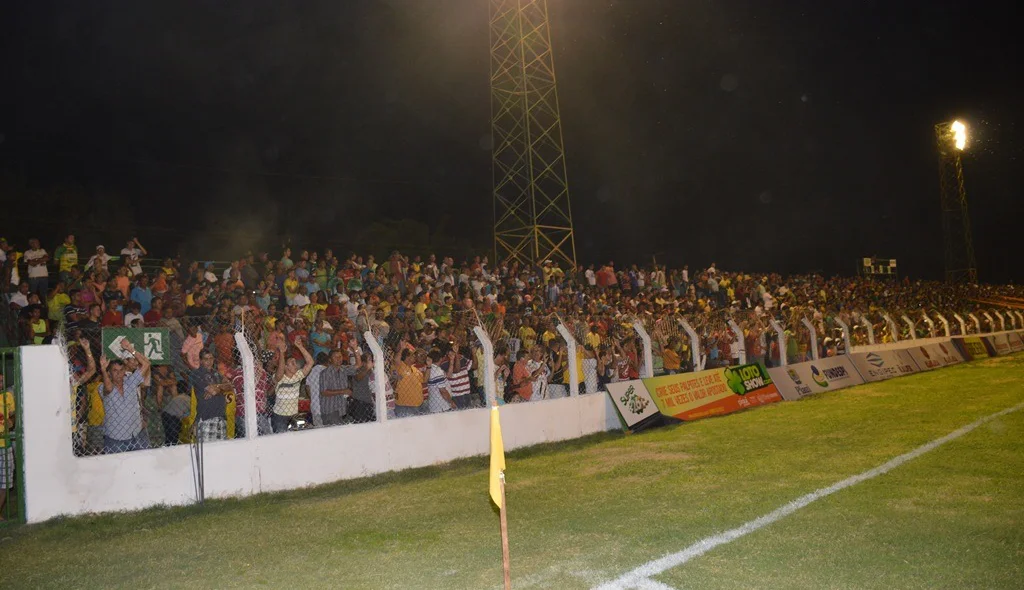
x=305, y=316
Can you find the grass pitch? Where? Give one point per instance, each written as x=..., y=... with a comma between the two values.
x=584, y=512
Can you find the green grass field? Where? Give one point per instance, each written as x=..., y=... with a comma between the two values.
x=585, y=512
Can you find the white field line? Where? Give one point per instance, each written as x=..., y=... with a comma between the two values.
x=640, y=578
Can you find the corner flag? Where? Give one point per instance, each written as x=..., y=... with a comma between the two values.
x=497, y=458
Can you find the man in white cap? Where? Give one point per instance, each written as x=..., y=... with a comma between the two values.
x=99, y=260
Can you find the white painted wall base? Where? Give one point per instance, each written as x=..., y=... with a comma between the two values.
x=59, y=483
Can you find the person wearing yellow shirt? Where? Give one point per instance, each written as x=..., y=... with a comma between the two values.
x=7, y=409
x=56, y=302
x=670, y=356
x=593, y=339
x=548, y=335
x=528, y=336
x=291, y=287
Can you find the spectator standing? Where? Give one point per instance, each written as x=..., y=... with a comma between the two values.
x=362, y=406
x=133, y=253
x=288, y=379
x=99, y=260
x=335, y=389
x=142, y=295
x=457, y=368
x=210, y=388
x=438, y=391
x=313, y=386
x=7, y=409
x=409, y=387
x=67, y=257
x=122, y=413
x=38, y=275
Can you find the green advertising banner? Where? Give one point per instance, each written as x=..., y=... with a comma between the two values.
x=153, y=343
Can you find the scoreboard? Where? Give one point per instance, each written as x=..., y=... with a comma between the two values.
x=878, y=266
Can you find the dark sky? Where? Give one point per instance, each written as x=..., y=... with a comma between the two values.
x=765, y=135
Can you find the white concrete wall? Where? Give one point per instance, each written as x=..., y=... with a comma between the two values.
x=59, y=483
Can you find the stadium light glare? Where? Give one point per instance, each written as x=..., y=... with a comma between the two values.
x=959, y=135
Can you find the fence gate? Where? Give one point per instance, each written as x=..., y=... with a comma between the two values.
x=12, y=488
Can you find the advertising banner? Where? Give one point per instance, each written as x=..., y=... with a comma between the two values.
x=153, y=343
x=884, y=364
x=1016, y=343
x=935, y=355
x=715, y=392
x=803, y=379
x=973, y=348
x=633, y=401
x=1000, y=343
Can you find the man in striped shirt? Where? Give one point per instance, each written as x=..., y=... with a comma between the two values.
x=439, y=396
x=456, y=368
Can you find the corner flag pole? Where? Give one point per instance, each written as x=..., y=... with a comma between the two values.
x=497, y=489
x=504, y=539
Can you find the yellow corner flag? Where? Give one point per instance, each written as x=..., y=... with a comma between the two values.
x=497, y=457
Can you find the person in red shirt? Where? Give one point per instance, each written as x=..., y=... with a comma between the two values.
x=112, y=317
x=155, y=312
x=299, y=333
x=224, y=345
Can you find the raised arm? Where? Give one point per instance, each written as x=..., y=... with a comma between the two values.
x=279, y=372
x=305, y=353
x=108, y=384
x=90, y=368
x=144, y=364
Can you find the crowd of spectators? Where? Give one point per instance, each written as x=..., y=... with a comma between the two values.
x=304, y=314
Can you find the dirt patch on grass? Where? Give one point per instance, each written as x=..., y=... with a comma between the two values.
x=604, y=459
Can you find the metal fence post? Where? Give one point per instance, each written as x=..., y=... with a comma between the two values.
x=931, y=324
x=910, y=324
x=570, y=346
x=893, y=328
x=490, y=387
x=977, y=323
x=248, y=385
x=846, y=333
x=1002, y=320
x=648, y=368
x=694, y=343
x=814, y=337
x=380, y=376
x=864, y=321
x=780, y=332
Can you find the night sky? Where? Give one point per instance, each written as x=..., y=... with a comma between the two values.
x=762, y=135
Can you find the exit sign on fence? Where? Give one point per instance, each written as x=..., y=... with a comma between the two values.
x=153, y=343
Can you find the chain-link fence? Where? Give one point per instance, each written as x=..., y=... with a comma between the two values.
x=757, y=335
x=150, y=386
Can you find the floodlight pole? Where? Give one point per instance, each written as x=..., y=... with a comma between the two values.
x=956, y=223
x=530, y=187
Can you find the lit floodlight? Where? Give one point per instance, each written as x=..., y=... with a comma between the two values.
x=959, y=134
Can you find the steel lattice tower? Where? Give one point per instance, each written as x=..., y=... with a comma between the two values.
x=956, y=224
x=532, y=218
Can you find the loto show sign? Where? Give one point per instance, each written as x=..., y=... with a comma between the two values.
x=714, y=392
x=804, y=379
x=884, y=364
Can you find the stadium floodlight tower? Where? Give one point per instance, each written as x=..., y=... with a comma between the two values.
x=532, y=218
x=956, y=224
